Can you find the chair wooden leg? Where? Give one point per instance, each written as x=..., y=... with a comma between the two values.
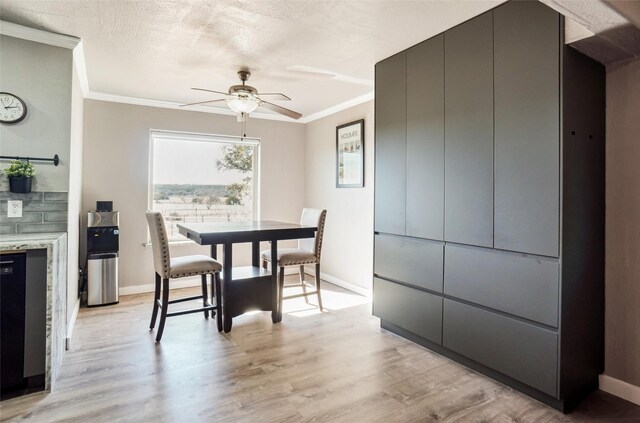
x=156, y=297
x=281, y=289
x=318, y=286
x=216, y=280
x=304, y=286
x=213, y=294
x=205, y=298
x=165, y=306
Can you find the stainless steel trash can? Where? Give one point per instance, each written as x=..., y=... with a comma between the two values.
x=102, y=279
x=103, y=242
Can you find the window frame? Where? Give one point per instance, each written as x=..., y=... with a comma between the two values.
x=161, y=134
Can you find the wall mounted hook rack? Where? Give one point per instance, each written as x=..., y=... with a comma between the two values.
x=55, y=159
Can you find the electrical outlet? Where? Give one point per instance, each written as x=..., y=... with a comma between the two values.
x=14, y=208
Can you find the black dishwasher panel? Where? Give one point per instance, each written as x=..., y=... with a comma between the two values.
x=12, y=316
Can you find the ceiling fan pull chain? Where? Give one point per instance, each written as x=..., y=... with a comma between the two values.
x=244, y=126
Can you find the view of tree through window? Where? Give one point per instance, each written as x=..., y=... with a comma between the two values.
x=200, y=178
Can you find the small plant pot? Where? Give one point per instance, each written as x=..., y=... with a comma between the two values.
x=20, y=185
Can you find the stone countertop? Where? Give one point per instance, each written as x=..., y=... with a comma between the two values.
x=55, y=244
x=29, y=241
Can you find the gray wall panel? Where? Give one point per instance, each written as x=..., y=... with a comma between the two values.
x=519, y=350
x=410, y=261
x=425, y=139
x=416, y=311
x=583, y=236
x=469, y=132
x=390, y=151
x=527, y=128
x=521, y=285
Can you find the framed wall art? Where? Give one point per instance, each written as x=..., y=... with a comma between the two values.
x=350, y=155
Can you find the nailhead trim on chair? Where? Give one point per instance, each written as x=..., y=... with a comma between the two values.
x=297, y=263
x=181, y=275
x=323, y=217
x=166, y=257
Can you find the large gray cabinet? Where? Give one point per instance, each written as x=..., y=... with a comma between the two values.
x=489, y=201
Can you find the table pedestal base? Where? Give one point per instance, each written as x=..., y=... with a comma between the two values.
x=249, y=290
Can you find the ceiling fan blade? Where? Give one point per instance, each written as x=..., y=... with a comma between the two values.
x=275, y=96
x=203, y=102
x=280, y=109
x=210, y=91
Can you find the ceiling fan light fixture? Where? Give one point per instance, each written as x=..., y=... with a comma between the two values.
x=242, y=104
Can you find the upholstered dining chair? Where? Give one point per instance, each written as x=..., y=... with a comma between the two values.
x=167, y=268
x=308, y=252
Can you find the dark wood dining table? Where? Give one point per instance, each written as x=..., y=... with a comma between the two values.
x=249, y=287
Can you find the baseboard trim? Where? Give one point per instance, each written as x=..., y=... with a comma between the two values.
x=72, y=324
x=342, y=284
x=620, y=389
x=195, y=281
x=174, y=284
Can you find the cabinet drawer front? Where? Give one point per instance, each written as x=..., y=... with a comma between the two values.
x=520, y=285
x=416, y=311
x=410, y=261
x=519, y=350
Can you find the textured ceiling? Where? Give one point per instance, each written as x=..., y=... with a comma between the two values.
x=321, y=53
x=158, y=49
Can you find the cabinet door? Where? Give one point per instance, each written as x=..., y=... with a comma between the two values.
x=391, y=139
x=416, y=311
x=409, y=260
x=468, y=51
x=519, y=284
x=527, y=128
x=425, y=139
x=519, y=350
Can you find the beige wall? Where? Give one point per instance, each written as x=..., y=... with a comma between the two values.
x=116, y=167
x=347, y=254
x=622, y=292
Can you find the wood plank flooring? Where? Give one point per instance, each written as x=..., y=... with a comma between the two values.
x=336, y=366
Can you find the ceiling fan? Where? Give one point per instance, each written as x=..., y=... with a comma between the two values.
x=244, y=99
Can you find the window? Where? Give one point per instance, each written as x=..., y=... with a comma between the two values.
x=203, y=178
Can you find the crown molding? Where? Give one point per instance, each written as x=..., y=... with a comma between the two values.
x=338, y=107
x=59, y=40
x=97, y=95
x=81, y=68
x=24, y=32
x=114, y=98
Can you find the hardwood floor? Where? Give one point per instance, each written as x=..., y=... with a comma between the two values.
x=336, y=366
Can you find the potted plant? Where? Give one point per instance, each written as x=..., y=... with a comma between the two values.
x=20, y=175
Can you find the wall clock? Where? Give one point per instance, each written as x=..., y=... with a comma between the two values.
x=12, y=108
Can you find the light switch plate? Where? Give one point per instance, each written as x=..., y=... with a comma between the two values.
x=14, y=208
